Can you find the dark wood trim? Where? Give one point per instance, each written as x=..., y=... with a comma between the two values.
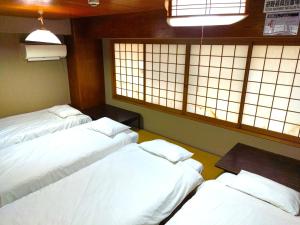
x=113, y=68
x=213, y=40
x=243, y=97
x=145, y=70
x=85, y=68
x=186, y=77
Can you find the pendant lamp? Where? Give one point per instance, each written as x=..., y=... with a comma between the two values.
x=42, y=35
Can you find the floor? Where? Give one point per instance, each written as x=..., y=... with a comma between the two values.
x=207, y=159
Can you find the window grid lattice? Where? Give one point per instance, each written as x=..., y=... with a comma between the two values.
x=216, y=80
x=165, y=65
x=203, y=7
x=129, y=70
x=273, y=92
x=155, y=73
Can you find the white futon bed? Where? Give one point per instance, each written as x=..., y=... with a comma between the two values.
x=217, y=203
x=128, y=187
x=23, y=127
x=31, y=165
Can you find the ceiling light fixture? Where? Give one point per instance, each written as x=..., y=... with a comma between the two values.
x=93, y=3
x=42, y=35
x=185, y=13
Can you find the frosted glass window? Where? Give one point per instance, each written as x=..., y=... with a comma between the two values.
x=129, y=70
x=165, y=65
x=216, y=77
x=273, y=94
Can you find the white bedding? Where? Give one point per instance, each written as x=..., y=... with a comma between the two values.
x=28, y=166
x=128, y=187
x=217, y=204
x=20, y=128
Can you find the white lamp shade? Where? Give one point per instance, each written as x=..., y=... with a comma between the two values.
x=190, y=21
x=44, y=36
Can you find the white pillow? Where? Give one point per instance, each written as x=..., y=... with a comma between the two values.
x=167, y=150
x=267, y=190
x=194, y=164
x=64, y=111
x=108, y=126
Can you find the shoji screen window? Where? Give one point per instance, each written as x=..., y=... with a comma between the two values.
x=273, y=91
x=216, y=77
x=129, y=70
x=165, y=65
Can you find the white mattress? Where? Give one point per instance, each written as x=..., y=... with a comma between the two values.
x=217, y=204
x=28, y=166
x=20, y=128
x=128, y=187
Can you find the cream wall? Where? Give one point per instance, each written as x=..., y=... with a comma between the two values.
x=28, y=86
x=203, y=136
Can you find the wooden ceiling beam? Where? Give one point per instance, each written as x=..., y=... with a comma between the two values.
x=75, y=8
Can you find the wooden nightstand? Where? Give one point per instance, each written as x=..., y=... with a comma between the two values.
x=121, y=115
x=273, y=166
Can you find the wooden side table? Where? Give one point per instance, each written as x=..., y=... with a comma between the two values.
x=276, y=167
x=118, y=114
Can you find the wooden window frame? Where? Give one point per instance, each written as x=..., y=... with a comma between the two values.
x=267, y=134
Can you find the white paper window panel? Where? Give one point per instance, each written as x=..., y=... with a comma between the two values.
x=283, y=91
x=264, y=112
x=261, y=123
x=274, y=52
x=235, y=96
x=272, y=64
x=212, y=93
x=193, y=80
x=285, y=52
x=293, y=118
x=129, y=69
x=194, y=70
x=269, y=77
x=294, y=105
x=280, y=103
x=278, y=115
x=238, y=74
x=226, y=73
x=291, y=129
x=297, y=78
x=296, y=93
x=285, y=78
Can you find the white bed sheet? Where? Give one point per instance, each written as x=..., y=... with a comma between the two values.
x=28, y=166
x=128, y=187
x=20, y=128
x=217, y=204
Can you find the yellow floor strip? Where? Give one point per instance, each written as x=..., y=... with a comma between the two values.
x=207, y=159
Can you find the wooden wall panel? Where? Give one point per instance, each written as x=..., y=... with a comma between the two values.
x=153, y=25
x=85, y=59
x=85, y=65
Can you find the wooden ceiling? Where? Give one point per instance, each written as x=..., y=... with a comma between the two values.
x=75, y=8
